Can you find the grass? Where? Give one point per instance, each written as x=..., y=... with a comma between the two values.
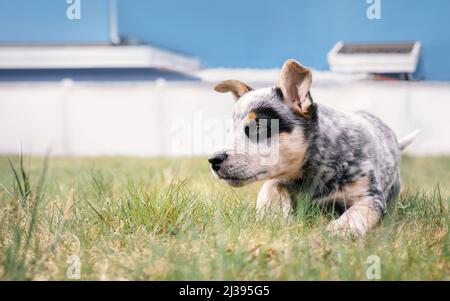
x=161, y=219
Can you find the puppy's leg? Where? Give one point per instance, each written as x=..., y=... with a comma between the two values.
x=362, y=216
x=273, y=195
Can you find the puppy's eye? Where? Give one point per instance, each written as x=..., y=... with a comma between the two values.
x=253, y=126
x=247, y=130
x=258, y=130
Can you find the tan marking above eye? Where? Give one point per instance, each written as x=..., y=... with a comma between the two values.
x=251, y=116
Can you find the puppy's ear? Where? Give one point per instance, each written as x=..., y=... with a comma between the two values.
x=295, y=82
x=234, y=86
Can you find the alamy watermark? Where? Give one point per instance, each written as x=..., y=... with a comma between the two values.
x=73, y=271
x=373, y=12
x=73, y=11
x=373, y=270
x=259, y=138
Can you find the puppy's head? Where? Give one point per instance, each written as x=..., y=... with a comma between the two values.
x=268, y=137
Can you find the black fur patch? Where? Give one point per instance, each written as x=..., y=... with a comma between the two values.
x=285, y=126
x=279, y=93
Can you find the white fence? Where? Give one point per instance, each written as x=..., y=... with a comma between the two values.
x=187, y=118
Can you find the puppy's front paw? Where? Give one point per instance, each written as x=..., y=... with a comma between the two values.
x=274, y=198
x=344, y=229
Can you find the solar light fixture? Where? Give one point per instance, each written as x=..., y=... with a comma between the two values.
x=375, y=58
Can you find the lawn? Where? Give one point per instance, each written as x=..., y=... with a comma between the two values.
x=169, y=219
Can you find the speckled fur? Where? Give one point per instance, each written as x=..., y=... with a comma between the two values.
x=345, y=160
x=343, y=148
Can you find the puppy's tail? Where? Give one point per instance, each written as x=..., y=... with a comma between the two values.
x=407, y=140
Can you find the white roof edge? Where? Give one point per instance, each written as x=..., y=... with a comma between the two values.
x=94, y=56
x=271, y=76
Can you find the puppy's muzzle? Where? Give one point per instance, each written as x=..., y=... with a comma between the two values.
x=216, y=160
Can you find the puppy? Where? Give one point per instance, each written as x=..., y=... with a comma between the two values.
x=350, y=161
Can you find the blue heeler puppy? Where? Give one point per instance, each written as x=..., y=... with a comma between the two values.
x=349, y=161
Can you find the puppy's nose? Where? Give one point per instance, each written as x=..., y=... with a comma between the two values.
x=217, y=160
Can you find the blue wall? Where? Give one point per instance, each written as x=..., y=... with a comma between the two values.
x=45, y=21
x=262, y=33
x=238, y=33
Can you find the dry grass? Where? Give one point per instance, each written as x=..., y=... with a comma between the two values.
x=169, y=219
